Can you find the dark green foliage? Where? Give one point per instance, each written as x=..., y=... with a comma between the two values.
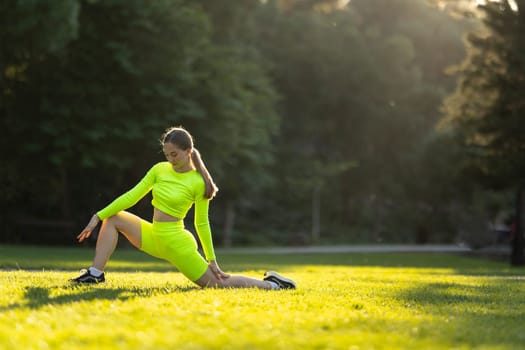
x=488, y=107
x=312, y=123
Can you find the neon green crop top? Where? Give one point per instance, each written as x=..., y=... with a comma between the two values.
x=173, y=193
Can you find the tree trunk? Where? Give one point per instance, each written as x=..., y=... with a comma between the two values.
x=65, y=204
x=517, y=257
x=229, y=222
x=316, y=214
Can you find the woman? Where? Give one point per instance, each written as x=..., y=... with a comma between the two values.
x=176, y=184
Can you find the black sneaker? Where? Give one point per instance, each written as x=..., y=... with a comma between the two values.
x=282, y=282
x=87, y=277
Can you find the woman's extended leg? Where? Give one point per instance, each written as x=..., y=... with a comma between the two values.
x=124, y=222
x=272, y=280
x=209, y=279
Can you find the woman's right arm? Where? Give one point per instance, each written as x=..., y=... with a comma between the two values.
x=123, y=202
x=130, y=198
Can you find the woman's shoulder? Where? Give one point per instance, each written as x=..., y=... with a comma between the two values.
x=161, y=166
x=158, y=169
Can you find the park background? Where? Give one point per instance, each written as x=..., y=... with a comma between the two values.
x=322, y=122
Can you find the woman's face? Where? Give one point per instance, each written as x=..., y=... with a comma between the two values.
x=180, y=159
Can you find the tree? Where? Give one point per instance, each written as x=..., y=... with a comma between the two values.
x=487, y=109
x=241, y=123
x=360, y=86
x=31, y=31
x=243, y=99
x=95, y=100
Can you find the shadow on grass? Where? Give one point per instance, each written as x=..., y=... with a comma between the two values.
x=444, y=294
x=38, y=297
x=487, y=314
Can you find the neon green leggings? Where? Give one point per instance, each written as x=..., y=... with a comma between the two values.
x=172, y=242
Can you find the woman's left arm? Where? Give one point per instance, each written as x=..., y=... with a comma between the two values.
x=202, y=226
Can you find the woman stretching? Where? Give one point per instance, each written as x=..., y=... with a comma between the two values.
x=176, y=185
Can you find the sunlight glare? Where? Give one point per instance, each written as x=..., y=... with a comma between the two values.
x=512, y=3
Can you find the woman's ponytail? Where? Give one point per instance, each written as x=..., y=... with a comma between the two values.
x=211, y=188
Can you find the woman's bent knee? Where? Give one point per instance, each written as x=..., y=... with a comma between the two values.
x=127, y=224
x=114, y=220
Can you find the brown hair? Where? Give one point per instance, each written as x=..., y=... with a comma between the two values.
x=183, y=139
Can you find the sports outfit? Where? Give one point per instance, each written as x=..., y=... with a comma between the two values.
x=174, y=194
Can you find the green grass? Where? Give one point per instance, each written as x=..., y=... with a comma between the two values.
x=344, y=301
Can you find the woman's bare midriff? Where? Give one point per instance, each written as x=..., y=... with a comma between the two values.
x=161, y=216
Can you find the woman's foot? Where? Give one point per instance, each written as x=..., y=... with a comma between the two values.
x=282, y=282
x=86, y=277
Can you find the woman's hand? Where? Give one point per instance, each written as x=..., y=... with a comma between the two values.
x=86, y=232
x=217, y=270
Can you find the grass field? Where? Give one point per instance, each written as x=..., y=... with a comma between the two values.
x=344, y=301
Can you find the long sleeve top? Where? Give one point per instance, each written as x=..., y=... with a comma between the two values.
x=174, y=194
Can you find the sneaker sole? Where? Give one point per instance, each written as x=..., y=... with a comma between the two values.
x=86, y=282
x=274, y=275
